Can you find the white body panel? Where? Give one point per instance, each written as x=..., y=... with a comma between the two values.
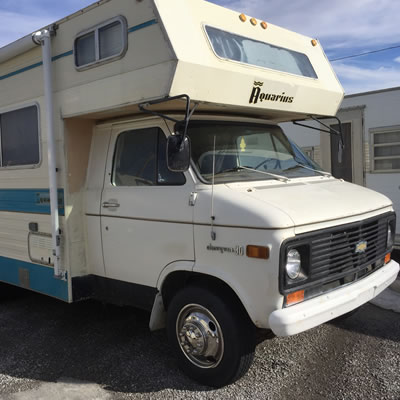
x=151, y=228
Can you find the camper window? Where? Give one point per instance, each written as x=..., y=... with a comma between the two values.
x=102, y=43
x=386, y=149
x=19, y=137
x=230, y=46
x=140, y=160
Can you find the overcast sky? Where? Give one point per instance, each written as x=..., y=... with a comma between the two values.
x=344, y=27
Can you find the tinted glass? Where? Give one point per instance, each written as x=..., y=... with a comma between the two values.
x=387, y=165
x=20, y=137
x=387, y=151
x=388, y=137
x=136, y=163
x=85, y=49
x=243, y=152
x=135, y=158
x=110, y=38
x=249, y=51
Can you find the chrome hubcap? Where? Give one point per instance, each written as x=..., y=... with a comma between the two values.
x=200, y=336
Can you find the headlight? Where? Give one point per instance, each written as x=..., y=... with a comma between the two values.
x=390, y=237
x=293, y=264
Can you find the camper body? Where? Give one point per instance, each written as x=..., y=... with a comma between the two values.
x=245, y=237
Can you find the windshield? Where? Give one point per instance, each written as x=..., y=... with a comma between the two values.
x=246, y=152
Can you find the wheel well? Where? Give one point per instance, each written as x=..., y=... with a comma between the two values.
x=178, y=280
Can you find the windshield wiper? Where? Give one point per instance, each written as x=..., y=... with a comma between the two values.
x=323, y=173
x=240, y=168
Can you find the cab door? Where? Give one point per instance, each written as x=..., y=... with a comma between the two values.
x=146, y=219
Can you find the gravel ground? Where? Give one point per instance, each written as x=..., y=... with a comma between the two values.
x=50, y=350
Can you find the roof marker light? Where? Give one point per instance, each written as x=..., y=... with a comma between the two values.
x=264, y=25
x=242, y=17
x=314, y=42
x=253, y=21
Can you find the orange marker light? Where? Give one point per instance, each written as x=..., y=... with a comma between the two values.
x=257, y=252
x=295, y=297
x=253, y=21
x=264, y=25
x=387, y=258
x=242, y=17
x=314, y=42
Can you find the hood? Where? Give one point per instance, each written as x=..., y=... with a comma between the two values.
x=316, y=200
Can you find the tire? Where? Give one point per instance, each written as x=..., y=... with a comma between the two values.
x=222, y=331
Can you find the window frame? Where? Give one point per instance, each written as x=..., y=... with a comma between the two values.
x=376, y=131
x=95, y=29
x=205, y=25
x=23, y=166
x=160, y=132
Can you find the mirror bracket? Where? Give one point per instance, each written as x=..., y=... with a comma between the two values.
x=328, y=129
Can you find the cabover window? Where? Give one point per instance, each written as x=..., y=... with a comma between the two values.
x=386, y=149
x=103, y=43
x=19, y=134
x=140, y=160
x=249, y=51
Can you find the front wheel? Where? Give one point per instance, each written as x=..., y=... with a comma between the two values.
x=212, y=337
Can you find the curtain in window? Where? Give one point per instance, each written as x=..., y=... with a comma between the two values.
x=20, y=137
x=110, y=38
x=85, y=49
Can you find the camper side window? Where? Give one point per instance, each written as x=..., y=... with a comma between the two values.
x=102, y=43
x=19, y=137
x=140, y=160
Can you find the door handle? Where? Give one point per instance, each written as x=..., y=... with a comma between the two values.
x=109, y=204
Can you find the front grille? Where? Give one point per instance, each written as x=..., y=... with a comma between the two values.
x=337, y=256
x=333, y=254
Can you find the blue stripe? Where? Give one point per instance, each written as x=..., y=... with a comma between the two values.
x=70, y=52
x=141, y=26
x=20, y=71
x=41, y=279
x=29, y=200
x=66, y=54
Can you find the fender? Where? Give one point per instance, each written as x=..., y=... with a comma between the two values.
x=235, y=285
x=158, y=314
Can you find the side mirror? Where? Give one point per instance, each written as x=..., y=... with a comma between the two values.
x=178, y=153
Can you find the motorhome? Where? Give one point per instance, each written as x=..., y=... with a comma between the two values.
x=142, y=164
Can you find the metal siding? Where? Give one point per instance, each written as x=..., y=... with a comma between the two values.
x=41, y=279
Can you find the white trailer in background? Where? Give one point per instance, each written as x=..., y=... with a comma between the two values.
x=371, y=123
x=99, y=197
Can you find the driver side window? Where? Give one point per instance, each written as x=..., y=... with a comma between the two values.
x=140, y=160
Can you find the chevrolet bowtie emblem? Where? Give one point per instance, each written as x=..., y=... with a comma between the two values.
x=361, y=247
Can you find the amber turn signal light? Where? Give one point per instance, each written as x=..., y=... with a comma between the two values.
x=257, y=252
x=295, y=297
x=387, y=258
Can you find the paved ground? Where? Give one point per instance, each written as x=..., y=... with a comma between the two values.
x=50, y=350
